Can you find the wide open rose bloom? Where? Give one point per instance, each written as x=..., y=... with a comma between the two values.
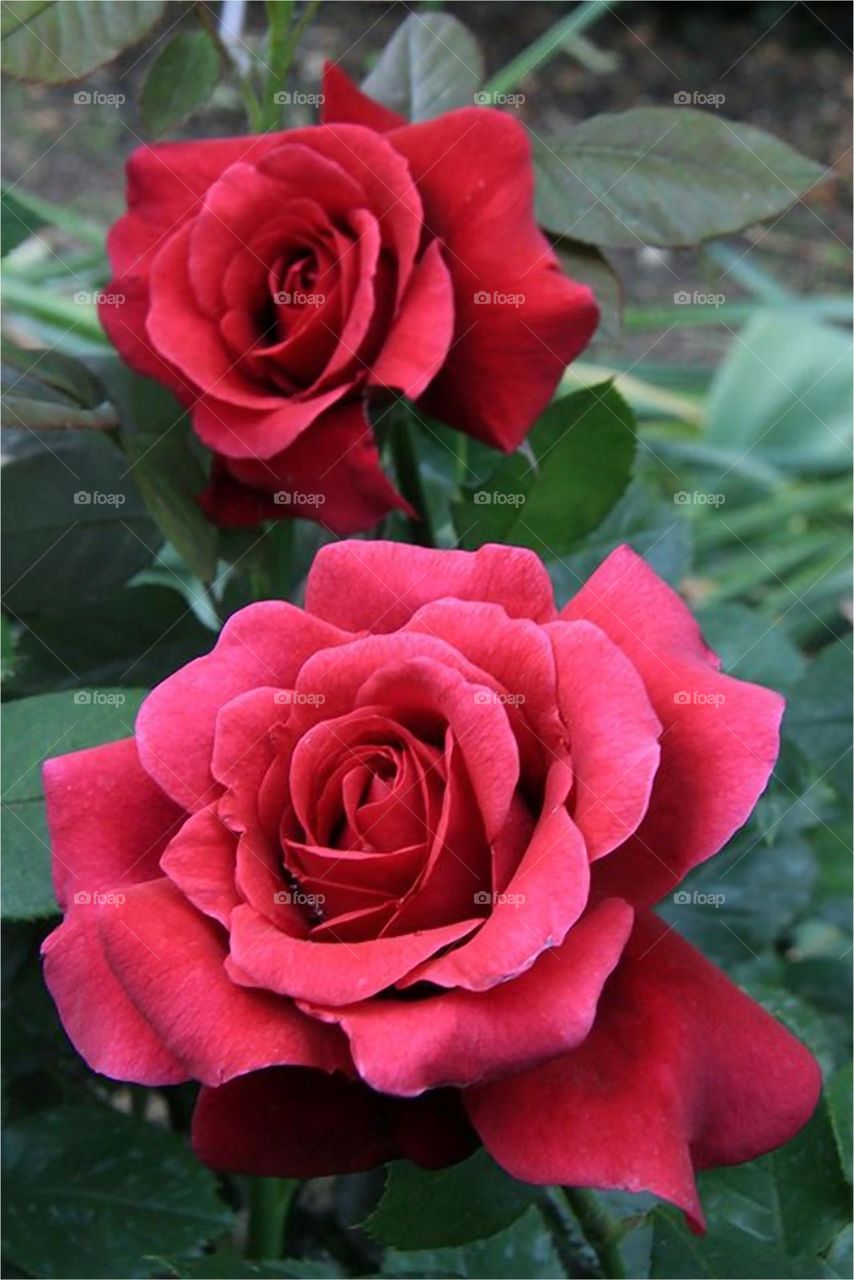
x=378, y=874
x=279, y=282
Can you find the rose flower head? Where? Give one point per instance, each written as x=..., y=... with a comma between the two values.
x=280, y=283
x=378, y=873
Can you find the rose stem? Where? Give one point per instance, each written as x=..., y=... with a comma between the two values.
x=601, y=1230
x=269, y=1201
x=405, y=454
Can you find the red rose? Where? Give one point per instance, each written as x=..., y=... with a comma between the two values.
x=378, y=874
x=277, y=282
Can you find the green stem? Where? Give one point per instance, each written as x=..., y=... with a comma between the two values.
x=254, y=109
x=548, y=44
x=404, y=452
x=601, y=1230
x=269, y=1201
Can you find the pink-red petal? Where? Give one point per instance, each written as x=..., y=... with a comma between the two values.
x=108, y=820
x=681, y=1071
x=378, y=586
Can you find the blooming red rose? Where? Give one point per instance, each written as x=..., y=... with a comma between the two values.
x=378, y=874
x=277, y=282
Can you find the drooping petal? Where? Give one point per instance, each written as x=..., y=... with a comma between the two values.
x=681, y=1071
x=292, y=1123
x=331, y=474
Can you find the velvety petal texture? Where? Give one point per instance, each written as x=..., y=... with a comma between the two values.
x=283, y=284
x=376, y=873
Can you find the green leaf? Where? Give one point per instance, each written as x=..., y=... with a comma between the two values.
x=55, y=43
x=650, y=525
x=62, y=373
x=163, y=460
x=181, y=79
x=44, y=390
x=90, y=1192
x=51, y=724
x=229, y=1266
x=583, y=449
x=432, y=64
x=467, y=1201
x=815, y=1202
x=138, y=636
x=751, y=646
x=839, y=1091
x=783, y=396
x=524, y=1249
x=736, y=904
x=17, y=222
x=724, y=1251
x=664, y=176
x=818, y=717
x=74, y=526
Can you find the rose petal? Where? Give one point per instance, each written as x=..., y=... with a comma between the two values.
x=378, y=586
x=108, y=821
x=543, y=899
x=331, y=474
x=327, y=972
x=344, y=102
x=719, y=739
x=518, y=319
x=418, y=342
x=613, y=734
x=263, y=644
x=405, y=1047
x=108, y=1032
x=169, y=960
x=201, y=862
x=681, y=1070
x=292, y=1123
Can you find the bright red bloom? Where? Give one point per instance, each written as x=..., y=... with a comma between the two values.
x=385, y=865
x=279, y=282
